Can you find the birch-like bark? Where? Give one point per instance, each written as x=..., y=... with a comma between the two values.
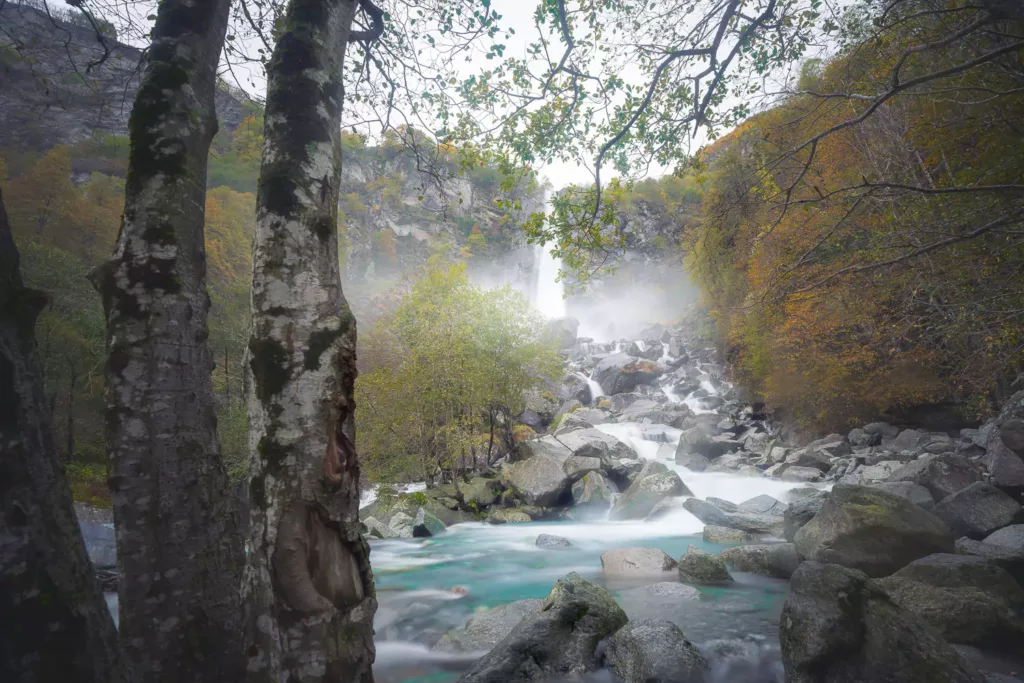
x=308, y=590
x=178, y=543
x=54, y=623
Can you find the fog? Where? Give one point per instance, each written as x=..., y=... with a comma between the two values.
x=639, y=293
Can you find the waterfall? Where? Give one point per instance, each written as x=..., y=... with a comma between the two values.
x=548, y=291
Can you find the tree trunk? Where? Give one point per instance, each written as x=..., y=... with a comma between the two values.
x=70, y=413
x=308, y=589
x=54, y=623
x=177, y=531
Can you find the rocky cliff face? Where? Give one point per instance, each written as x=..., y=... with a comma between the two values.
x=60, y=83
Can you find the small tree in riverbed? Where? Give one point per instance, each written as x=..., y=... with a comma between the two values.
x=449, y=368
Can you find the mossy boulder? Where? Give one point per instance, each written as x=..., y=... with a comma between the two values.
x=507, y=516
x=702, y=568
x=871, y=530
x=558, y=641
x=643, y=494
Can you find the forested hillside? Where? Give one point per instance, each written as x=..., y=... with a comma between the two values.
x=865, y=269
x=63, y=157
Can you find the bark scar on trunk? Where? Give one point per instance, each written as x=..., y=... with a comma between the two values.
x=340, y=454
x=315, y=569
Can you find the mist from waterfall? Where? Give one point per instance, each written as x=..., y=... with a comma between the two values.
x=548, y=290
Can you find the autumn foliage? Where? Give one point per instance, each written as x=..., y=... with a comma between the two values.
x=860, y=270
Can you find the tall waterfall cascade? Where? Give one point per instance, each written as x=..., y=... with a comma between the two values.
x=548, y=290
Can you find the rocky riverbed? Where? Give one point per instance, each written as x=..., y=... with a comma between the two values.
x=659, y=528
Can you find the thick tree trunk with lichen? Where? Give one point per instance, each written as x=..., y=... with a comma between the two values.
x=308, y=590
x=54, y=623
x=177, y=537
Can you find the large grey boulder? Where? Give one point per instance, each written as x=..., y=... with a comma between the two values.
x=969, y=600
x=557, y=641
x=486, y=629
x=507, y=516
x=425, y=525
x=646, y=492
x=697, y=440
x=751, y=522
x=1011, y=536
x=978, y=510
x=871, y=530
x=942, y=475
x=1004, y=465
x=539, y=480
x=480, y=492
x=770, y=559
x=915, y=493
x=654, y=651
x=801, y=511
x=636, y=562
x=1008, y=558
x=576, y=467
x=838, y=626
x=702, y=568
x=593, y=443
x=545, y=445
x=694, y=462
x=764, y=505
x=620, y=373
x=593, y=494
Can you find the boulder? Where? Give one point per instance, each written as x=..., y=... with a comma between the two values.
x=871, y=530
x=770, y=559
x=480, y=492
x=915, y=493
x=549, y=541
x=807, y=474
x=885, y=431
x=746, y=521
x=539, y=480
x=730, y=462
x=906, y=440
x=801, y=511
x=507, y=516
x=486, y=629
x=425, y=525
x=1010, y=536
x=700, y=567
x=722, y=534
x=654, y=651
x=545, y=445
x=942, y=475
x=1006, y=557
x=576, y=467
x=805, y=458
x=531, y=419
x=695, y=462
x=376, y=528
x=400, y=525
x=697, y=440
x=978, y=510
x=572, y=422
x=881, y=471
x=722, y=504
x=593, y=493
x=557, y=641
x=646, y=492
x=621, y=373
x=636, y=562
x=839, y=626
x=969, y=600
x=763, y=505
x=1005, y=466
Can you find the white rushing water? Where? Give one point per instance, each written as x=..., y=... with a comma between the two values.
x=549, y=292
